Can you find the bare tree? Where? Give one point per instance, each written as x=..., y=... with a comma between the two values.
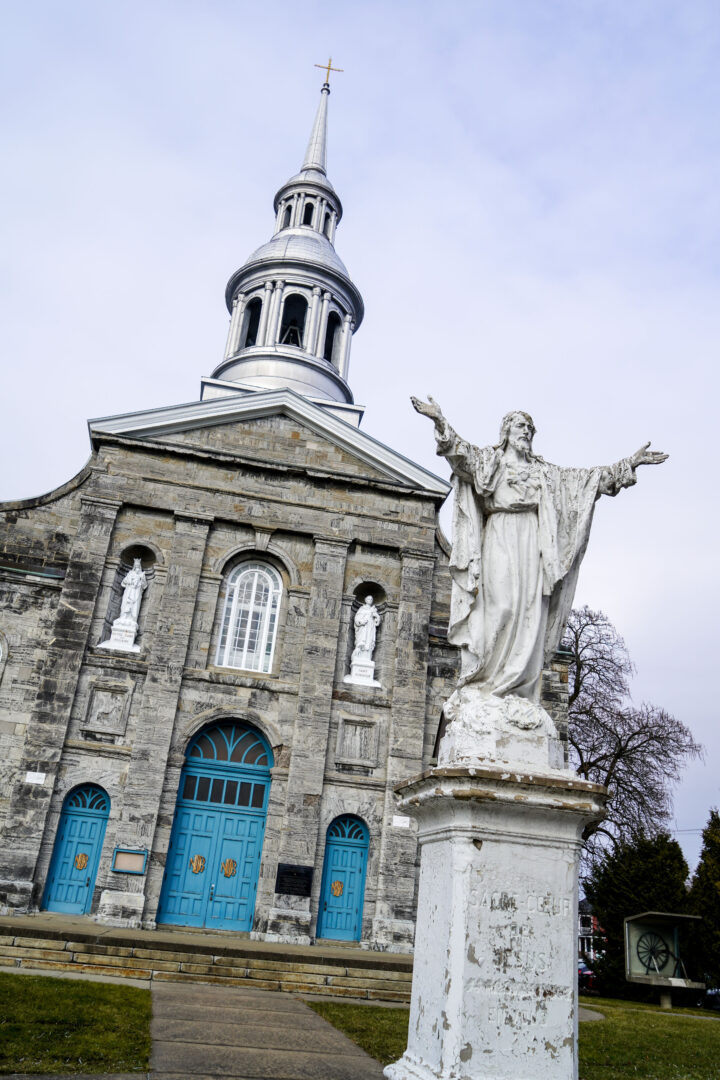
x=637, y=753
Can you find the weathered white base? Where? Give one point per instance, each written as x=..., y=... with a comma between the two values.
x=122, y=636
x=362, y=673
x=509, y=730
x=495, y=978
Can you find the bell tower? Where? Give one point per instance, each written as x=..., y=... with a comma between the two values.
x=293, y=306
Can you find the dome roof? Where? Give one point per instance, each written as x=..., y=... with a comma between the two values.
x=302, y=245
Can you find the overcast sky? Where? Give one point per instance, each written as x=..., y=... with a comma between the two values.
x=532, y=212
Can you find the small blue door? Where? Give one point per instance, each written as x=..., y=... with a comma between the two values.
x=213, y=860
x=76, y=854
x=342, y=894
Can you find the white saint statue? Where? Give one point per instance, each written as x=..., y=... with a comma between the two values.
x=520, y=530
x=134, y=585
x=367, y=620
x=362, y=668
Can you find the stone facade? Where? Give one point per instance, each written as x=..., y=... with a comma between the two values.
x=78, y=713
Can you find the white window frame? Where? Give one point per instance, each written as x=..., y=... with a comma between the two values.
x=267, y=630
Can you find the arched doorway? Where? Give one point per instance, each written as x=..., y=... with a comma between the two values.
x=213, y=860
x=342, y=894
x=76, y=854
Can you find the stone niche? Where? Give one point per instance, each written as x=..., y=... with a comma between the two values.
x=366, y=671
x=125, y=564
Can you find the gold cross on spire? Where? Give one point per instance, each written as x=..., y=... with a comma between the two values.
x=327, y=68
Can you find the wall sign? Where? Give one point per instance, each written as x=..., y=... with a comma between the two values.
x=293, y=880
x=129, y=860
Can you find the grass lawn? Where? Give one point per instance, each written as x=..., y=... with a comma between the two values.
x=64, y=1025
x=641, y=1042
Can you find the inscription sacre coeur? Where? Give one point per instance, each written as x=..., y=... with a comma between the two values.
x=534, y=905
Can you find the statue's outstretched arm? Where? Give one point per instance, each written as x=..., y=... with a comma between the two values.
x=622, y=474
x=459, y=453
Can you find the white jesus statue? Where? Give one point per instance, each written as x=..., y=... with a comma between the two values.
x=520, y=530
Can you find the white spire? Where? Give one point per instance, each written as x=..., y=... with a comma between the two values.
x=316, y=153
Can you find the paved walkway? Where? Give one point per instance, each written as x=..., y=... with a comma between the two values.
x=208, y=1031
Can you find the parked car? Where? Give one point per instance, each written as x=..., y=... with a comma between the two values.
x=711, y=998
x=586, y=976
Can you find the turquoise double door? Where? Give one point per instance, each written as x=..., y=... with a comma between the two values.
x=212, y=868
x=213, y=861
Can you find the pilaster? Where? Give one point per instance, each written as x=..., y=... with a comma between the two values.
x=311, y=342
x=322, y=322
x=265, y=313
x=394, y=921
x=274, y=321
x=157, y=711
x=290, y=918
x=344, y=358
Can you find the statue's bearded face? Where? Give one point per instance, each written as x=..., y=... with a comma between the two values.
x=520, y=433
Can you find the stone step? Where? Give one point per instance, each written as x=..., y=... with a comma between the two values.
x=341, y=973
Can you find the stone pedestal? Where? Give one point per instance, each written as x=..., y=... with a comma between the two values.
x=495, y=979
x=122, y=635
x=362, y=673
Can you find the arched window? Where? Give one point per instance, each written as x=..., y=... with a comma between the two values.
x=251, y=323
x=292, y=328
x=287, y=216
x=250, y=617
x=328, y=225
x=89, y=797
x=308, y=213
x=332, y=337
x=349, y=827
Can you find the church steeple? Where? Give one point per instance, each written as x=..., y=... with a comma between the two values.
x=293, y=306
x=316, y=153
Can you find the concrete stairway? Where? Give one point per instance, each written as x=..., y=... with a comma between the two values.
x=46, y=942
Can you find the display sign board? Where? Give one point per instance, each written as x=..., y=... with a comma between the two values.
x=653, y=949
x=129, y=861
x=293, y=880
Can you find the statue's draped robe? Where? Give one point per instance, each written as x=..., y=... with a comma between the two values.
x=519, y=535
x=366, y=624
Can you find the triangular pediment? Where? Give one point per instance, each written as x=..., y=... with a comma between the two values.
x=274, y=425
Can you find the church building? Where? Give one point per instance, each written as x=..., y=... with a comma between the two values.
x=223, y=643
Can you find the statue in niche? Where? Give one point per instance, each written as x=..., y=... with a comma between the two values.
x=134, y=585
x=124, y=628
x=366, y=621
x=520, y=530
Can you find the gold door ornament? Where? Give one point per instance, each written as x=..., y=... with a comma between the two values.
x=229, y=867
x=337, y=888
x=81, y=860
x=197, y=864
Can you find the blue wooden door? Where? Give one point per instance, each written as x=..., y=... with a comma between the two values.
x=187, y=870
x=76, y=854
x=213, y=861
x=342, y=892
